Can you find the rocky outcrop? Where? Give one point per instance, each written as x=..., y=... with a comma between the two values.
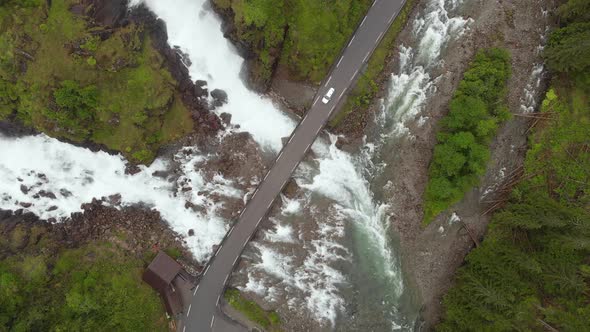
x=106, y=13
x=254, y=73
x=136, y=229
x=194, y=96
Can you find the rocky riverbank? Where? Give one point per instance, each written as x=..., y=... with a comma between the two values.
x=431, y=255
x=110, y=82
x=138, y=230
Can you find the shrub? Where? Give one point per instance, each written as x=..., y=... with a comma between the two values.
x=476, y=111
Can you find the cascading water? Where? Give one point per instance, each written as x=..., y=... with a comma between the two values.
x=333, y=176
x=336, y=221
x=71, y=176
x=328, y=251
x=412, y=85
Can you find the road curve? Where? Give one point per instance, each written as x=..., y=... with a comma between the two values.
x=204, y=314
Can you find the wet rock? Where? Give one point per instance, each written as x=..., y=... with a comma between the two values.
x=51, y=208
x=65, y=193
x=115, y=199
x=185, y=58
x=342, y=141
x=219, y=96
x=132, y=169
x=15, y=129
x=26, y=204
x=161, y=174
x=24, y=189
x=191, y=232
x=225, y=118
x=107, y=13
x=47, y=194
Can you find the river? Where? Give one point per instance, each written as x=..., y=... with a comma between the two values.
x=327, y=255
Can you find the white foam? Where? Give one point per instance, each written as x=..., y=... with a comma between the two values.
x=412, y=85
x=290, y=206
x=281, y=233
x=454, y=218
x=197, y=31
x=87, y=175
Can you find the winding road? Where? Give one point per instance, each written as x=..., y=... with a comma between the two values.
x=204, y=313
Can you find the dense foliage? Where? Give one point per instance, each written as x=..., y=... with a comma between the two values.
x=94, y=288
x=269, y=320
x=305, y=35
x=58, y=76
x=533, y=270
x=462, y=152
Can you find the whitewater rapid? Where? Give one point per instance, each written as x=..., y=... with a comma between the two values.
x=53, y=179
x=335, y=200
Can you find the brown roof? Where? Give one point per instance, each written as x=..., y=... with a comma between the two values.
x=161, y=271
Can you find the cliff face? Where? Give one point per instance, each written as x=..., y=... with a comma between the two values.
x=95, y=73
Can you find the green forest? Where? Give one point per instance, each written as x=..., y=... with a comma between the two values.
x=532, y=272
x=305, y=35
x=58, y=76
x=94, y=287
x=462, y=152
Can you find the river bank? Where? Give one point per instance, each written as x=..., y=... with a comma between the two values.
x=431, y=255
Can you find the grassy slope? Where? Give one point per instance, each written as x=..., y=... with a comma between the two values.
x=138, y=109
x=316, y=31
x=533, y=270
x=268, y=320
x=92, y=288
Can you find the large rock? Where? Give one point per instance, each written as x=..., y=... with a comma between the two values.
x=219, y=95
x=110, y=13
x=201, y=88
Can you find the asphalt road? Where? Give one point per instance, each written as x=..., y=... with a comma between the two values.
x=204, y=314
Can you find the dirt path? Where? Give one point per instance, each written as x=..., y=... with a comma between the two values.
x=432, y=255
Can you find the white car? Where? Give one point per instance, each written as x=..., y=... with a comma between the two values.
x=328, y=95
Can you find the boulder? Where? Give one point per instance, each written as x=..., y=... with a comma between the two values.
x=225, y=118
x=219, y=95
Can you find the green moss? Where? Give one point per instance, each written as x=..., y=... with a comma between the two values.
x=268, y=320
x=93, y=288
x=173, y=252
x=366, y=86
x=304, y=35
x=136, y=95
x=18, y=238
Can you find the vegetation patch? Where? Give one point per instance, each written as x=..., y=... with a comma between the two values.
x=96, y=287
x=58, y=76
x=476, y=110
x=269, y=320
x=532, y=272
x=304, y=35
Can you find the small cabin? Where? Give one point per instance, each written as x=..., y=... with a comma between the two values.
x=168, y=278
